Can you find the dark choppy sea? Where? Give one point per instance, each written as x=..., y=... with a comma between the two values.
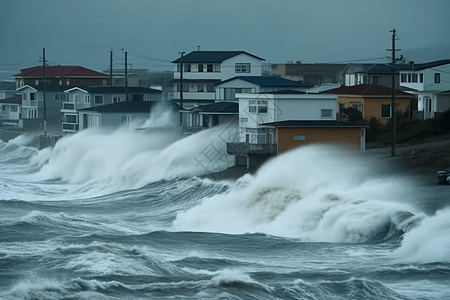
x=123, y=216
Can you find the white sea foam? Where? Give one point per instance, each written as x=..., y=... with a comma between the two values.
x=126, y=159
x=314, y=192
x=429, y=242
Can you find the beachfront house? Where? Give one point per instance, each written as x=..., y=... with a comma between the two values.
x=373, y=101
x=226, y=90
x=203, y=69
x=88, y=97
x=430, y=82
x=262, y=120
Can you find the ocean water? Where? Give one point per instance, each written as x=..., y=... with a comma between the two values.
x=128, y=215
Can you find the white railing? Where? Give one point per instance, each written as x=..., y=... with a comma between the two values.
x=70, y=127
x=29, y=103
x=68, y=105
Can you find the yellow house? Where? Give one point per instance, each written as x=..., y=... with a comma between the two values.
x=292, y=134
x=373, y=101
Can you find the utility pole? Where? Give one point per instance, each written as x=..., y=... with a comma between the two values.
x=126, y=77
x=110, y=68
x=393, y=110
x=181, y=85
x=45, y=91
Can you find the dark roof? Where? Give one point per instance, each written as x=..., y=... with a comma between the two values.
x=268, y=81
x=59, y=71
x=365, y=90
x=285, y=92
x=219, y=107
x=12, y=100
x=210, y=81
x=7, y=85
x=210, y=56
x=118, y=90
x=298, y=123
x=417, y=67
x=128, y=107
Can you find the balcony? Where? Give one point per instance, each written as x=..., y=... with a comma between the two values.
x=247, y=149
x=29, y=103
x=70, y=127
x=68, y=106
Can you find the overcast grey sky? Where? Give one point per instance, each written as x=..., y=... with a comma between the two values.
x=82, y=32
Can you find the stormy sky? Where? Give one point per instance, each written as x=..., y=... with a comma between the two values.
x=153, y=32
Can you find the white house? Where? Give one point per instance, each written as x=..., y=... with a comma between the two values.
x=203, y=69
x=431, y=83
x=257, y=109
x=10, y=112
x=227, y=89
x=86, y=97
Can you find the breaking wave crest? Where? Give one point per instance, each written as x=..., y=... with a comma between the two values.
x=309, y=193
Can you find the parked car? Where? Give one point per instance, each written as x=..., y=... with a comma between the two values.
x=444, y=177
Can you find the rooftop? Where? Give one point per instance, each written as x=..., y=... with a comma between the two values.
x=210, y=56
x=298, y=123
x=222, y=107
x=59, y=71
x=365, y=90
x=268, y=81
x=128, y=107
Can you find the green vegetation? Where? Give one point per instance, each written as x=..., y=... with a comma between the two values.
x=408, y=131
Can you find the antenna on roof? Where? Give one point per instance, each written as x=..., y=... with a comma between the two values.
x=198, y=47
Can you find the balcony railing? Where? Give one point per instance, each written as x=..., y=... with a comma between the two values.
x=68, y=106
x=70, y=127
x=247, y=148
x=30, y=103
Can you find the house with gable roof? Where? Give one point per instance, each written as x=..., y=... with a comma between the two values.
x=78, y=98
x=373, y=101
x=430, y=83
x=227, y=89
x=60, y=75
x=203, y=69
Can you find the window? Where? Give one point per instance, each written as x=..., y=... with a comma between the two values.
x=98, y=99
x=67, y=82
x=76, y=98
x=200, y=88
x=403, y=78
x=299, y=138
x=326, y=113
x=414, y=77
x=244, y=121
x=421, y=77
x=252, y=109
x=262, y=109
x=385, y=110
x=24, y=96
x=356, y=106
x=13, y=108
x=105, y=82
x=87, y=99
x=60, y=82
x=437, y=77
x=242, y=68
x=375, y=80
x=36, y=82
x=200, y=67
x=409, y=77
x=213, y=68
x=210, y=88
x=70, y=119
x=32, y=114
x=187, y=67
x=125, y=120
x=60, y=97
x=230, y=94
x=116, y=99
x=32, y=96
